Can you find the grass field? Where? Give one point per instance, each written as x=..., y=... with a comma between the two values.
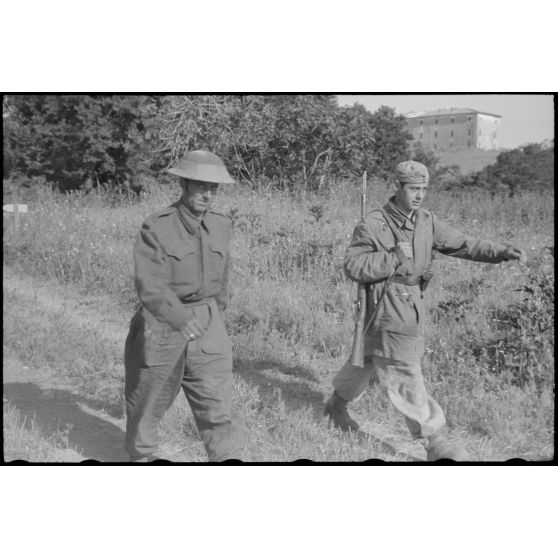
x=68, y=297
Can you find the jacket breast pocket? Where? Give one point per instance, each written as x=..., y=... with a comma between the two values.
x=217, y=257
x=185, y=268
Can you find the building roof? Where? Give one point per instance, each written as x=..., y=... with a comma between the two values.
x=445, y=112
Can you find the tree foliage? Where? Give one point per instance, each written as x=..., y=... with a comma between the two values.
x=285, y=139
x=530, y=167
x=73, y=139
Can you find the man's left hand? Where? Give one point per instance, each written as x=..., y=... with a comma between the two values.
x=513, y=253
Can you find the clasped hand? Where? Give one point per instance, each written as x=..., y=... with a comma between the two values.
x=192, y=330
x=404, y=251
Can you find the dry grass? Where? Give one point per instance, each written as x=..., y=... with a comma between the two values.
x=490, y=336
x=24, y=440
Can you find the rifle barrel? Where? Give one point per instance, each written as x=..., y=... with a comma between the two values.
x=363, y=198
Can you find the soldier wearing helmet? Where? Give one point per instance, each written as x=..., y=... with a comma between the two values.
x=397, y=241
x=177, y=338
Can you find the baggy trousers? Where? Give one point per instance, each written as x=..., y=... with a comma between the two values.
x=405, y=387
x=159, y=361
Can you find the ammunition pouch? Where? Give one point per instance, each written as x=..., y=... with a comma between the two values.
x=425, y=279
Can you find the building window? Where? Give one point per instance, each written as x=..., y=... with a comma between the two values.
x=435, y=134
x=468, y=143
x=451, y=134
x=469, y=119
x=421, y=122
x=420, y=135
x=452, y=120
x=436, y=121
x=469, y=132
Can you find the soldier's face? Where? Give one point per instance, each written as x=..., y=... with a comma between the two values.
x=198, y=195
x=409, y=196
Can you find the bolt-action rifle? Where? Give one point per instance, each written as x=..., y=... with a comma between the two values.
x=357, y=355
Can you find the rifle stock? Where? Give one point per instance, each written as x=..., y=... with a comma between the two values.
x=357, y=353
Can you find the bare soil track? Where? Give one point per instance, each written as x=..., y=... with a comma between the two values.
x=91, y=433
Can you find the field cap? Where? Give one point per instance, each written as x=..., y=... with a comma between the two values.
x=203, y=166
x=411, y=172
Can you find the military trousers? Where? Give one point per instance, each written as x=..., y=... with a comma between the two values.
x=159, y=361
x=405, y=388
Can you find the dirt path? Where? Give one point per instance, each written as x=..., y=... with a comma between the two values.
x=56, y=408
x=89, y=429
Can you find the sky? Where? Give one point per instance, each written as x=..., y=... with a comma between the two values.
x=525, y=118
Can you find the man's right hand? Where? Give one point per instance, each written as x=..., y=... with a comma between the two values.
x=514, y=253
x=192, y=330
x=404, y=251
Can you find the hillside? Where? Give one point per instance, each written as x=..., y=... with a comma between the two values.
x=468, y=160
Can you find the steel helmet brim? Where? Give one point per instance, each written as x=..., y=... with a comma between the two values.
x=203, y=166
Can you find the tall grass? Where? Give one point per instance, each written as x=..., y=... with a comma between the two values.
x=490, y=335
x=24, y=440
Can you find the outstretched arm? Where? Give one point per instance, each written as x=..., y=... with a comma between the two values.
x=452, y=242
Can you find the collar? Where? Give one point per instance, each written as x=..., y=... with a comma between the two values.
x=189, y=220
x=404, y=221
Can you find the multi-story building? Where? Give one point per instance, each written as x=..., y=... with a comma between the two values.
x=444, y=129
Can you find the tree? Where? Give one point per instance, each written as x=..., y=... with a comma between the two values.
x=280, y=137
x=286, y=139
x=355, y=141
x=391, y=140
x=530, y=167
x=70, y=139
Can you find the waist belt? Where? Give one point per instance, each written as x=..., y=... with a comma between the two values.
x=409, y=281
x=191, y=303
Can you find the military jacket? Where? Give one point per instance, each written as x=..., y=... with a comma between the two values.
x=398, y=331
x=180, y=260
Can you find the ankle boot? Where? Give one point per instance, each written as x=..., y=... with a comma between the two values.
x=438, y=448
x=336, y=410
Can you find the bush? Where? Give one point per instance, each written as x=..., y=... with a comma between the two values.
x=527, y=168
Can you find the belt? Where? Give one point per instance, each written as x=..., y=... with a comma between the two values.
x=202, y=302
x=409, y=281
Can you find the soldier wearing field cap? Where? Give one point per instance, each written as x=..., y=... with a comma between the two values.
x=177, y=338
x=397, y=241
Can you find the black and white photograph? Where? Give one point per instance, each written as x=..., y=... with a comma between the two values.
x=278, y=278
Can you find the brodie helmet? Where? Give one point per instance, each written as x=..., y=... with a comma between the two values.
x=203, y=166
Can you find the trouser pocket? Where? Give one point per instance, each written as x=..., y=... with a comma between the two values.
x=151, y=343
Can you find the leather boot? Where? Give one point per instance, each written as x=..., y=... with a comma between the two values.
x=143, y=459
x=336, y=410
x=160, y=455
x=438, y=448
